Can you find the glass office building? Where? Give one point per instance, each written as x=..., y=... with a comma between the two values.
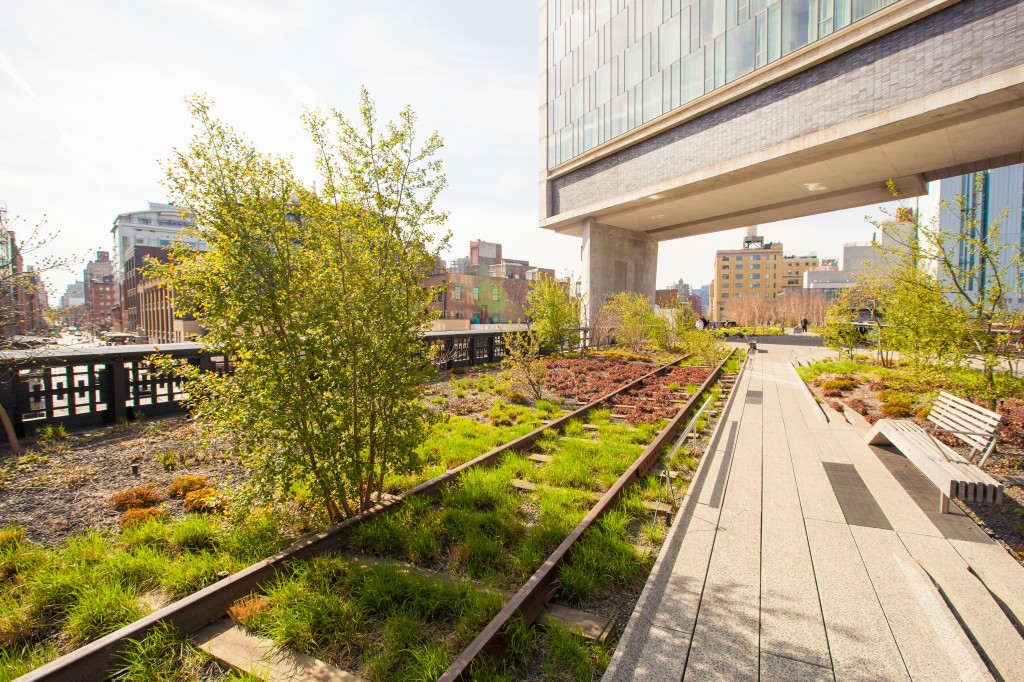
x=613, y=65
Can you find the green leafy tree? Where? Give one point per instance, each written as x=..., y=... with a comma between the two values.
x=315, y=293
x=840, y=332
x=632, y=316
x=974, y=270
x=555, y=311
x=522, y=369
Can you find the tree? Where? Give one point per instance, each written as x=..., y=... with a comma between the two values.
x=20, y=283
x=555, y=312
x=632, y=316
x=523, y=371
x=840, y=332
x=974, y=271
x=316, y=294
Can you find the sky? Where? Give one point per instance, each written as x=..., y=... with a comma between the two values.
x=92, y=97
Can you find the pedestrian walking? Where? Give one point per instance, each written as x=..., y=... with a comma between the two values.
x=803, y=325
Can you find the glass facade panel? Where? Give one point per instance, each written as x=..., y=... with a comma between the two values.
x=615, y=64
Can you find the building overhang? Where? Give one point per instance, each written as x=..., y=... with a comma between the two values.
x=966, y=128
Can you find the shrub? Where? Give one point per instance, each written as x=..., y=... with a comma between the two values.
x=858, y=406
x=134, y=498
x=836, y=405
x=831, y=392
x=872, y=418
x=878, y=385
x=1013, y=428
x=11, y=537
x=516, y=398
x=204, y=500
x=183, y=485
x=923, y=412
x=896, y=404
x=839, y=384
x=137, y=514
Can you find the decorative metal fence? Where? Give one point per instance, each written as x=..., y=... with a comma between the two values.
x=82, y=388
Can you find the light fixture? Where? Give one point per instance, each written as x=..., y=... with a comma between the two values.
x=814, y=186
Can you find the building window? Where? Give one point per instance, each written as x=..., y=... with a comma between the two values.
x=739, y=266
x=458, y=292
x=476, y=293
x=495, y=293
x=739, y=275
x=725, y=276
x=755, y=257
x=755, y=266
x=739, y=258
x=725, y=295
x=755, y=276
x=755, y=285
x=725, y=267
x=725, y=258
x=725, y=285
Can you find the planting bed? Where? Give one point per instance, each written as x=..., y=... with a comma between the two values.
x=409, y=588
x=905, y=393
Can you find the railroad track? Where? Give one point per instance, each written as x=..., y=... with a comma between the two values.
x=196, y=612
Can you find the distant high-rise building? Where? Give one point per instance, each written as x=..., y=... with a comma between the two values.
x=73, y=296
x=138, y=236
x=987, y=196
x=100, y=291
x=758, y=270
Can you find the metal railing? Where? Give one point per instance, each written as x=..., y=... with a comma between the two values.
x=88, y=387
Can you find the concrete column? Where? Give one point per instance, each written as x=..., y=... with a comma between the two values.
x=616, y=260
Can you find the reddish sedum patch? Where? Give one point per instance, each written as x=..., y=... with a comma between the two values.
x=135, y=498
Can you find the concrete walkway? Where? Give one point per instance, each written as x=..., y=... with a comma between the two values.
x=801, y=553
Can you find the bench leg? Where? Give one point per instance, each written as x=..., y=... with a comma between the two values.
x=943, y=504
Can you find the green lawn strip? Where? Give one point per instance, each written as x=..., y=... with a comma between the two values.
x=54, y=600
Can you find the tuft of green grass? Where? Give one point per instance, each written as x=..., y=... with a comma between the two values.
x=573, y=429
x=163, y=655
x=15, y=662
x=196, y=532
x=604, y=557
x=101, y=609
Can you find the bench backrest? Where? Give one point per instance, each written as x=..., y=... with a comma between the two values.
x=956, y=414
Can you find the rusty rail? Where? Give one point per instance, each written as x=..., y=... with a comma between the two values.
x=93, y=662
x=531, y=599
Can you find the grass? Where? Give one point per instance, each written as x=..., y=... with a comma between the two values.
x=55, y=599
x=163, y=654
x=381, y=621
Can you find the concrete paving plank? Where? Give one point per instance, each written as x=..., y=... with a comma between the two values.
x=994, y=634
x=859, y=638
x=902, y=512
x=930, y=640
x=1002, y=575
x=726, y=638
x=781, y=669
x=791, y=620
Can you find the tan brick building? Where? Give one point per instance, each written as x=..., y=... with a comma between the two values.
x=758, y=270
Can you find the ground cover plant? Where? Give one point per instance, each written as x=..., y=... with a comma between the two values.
x=55, y=599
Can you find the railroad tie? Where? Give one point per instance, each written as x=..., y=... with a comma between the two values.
x=235, y=646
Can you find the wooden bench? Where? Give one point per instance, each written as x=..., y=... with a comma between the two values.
x=954, y=475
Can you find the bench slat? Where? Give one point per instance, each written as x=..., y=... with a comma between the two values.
x=948, y=470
